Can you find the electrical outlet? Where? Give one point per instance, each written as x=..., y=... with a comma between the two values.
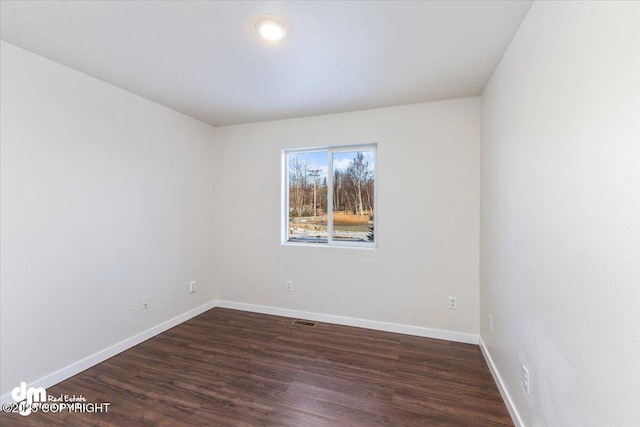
x=193, y=286
x=526, y=380
x=491, y=323
x=453, y=305
x=289, y=286
x=145, y=303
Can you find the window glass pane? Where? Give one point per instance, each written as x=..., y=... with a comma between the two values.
x=353, y=193
x=308, y=197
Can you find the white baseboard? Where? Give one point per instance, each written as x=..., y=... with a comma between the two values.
x=515, y=415
x=352, y=321
x=83, y=364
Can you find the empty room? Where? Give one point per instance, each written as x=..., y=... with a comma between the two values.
x=320, y=213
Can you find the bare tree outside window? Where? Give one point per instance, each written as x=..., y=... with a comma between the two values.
x=353, y=183
x=308, y=197
x=331, y=196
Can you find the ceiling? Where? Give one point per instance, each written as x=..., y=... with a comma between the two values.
x=202, y=58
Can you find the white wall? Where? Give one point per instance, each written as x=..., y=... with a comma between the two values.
x=106, y=197
x=427, y=219
x=560, y=214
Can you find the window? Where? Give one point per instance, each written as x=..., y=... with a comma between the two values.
x=329, y=196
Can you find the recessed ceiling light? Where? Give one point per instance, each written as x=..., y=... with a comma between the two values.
x=271, y=30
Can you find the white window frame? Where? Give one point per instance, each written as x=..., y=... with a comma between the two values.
x=331, y=150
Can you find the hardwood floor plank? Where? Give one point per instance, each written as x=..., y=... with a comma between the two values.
x=377, y=406
x=232, y=368
x=316, y=401
x=286, y=416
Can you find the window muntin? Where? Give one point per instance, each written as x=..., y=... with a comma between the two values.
x=329, y=196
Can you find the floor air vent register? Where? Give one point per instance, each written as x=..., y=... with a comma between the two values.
x=303, y=323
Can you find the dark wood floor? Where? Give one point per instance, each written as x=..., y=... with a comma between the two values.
x=233, y=368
